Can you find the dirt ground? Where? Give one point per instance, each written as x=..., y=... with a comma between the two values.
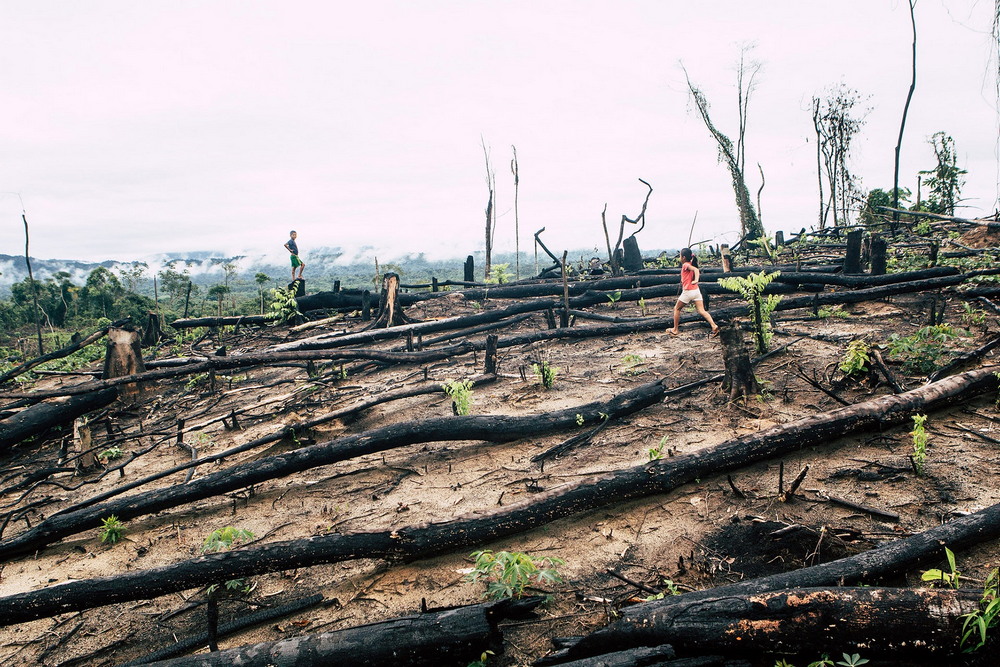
x=699, y=536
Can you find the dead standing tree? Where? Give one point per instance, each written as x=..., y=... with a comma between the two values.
x=491, y=215
x=631, y=253
x=734, y=156
x=902, y=122
x=835, y=128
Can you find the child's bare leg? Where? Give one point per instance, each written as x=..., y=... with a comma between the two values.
x=677, y=318
x=700, y=305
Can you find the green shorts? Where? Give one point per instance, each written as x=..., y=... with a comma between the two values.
x=296, y=262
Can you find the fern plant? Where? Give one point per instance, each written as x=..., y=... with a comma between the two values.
x=751, y=288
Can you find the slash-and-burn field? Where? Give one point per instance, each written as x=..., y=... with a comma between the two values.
x=714, y=529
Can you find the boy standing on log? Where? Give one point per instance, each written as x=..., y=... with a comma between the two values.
x=293, y=248
x=690, y=292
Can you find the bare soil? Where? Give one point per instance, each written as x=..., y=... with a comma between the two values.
x=699, y=536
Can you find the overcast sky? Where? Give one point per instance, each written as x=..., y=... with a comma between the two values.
x=136, y=128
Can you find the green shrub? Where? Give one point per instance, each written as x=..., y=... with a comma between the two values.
x=460, y=392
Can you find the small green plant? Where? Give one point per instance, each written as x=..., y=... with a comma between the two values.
x=614, y=297
x=938, y=576
x=632, y=363
x=284, y=308
x=978, y=623
x=852, y=660
x=972, y=315
x=579, y=419
x=669, y=588
x=460, y=392
x=832, y=312
x=855, y=360
x=112, y=530
x=482, y=659
x=642, y=306
x=195, y=380
x=111, y=454
x=546, y=373
x=658, y=452
x=922, y=228
x=760, y=307
x=223, y=539
x=499, y=274
x=508, y=573
x=919, y=434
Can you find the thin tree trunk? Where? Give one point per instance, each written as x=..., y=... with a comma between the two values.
x=902, y=123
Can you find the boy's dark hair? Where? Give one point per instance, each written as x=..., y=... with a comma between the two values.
x=292, y=232
x=689, y=256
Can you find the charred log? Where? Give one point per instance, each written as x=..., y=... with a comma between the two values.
x=449, y=637
x=887, y=622
x=43, y=416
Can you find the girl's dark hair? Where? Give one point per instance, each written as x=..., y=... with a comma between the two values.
x=688, y=256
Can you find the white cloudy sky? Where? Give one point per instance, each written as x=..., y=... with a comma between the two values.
x=134, y=128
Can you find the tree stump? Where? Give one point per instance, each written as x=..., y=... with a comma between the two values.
x=124, y=357
x=390, y=311
x=738, y=379
x=852, y=258
x=152, y=334
x=632, y=259
x=879, y=246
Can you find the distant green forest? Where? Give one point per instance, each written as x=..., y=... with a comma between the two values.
x=108, y=294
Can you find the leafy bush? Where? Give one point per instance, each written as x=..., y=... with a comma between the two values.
x=855, y=360
x=223, y=539
x=284, y=308
x=922, y=352
x=460, y=392
x=546, y=373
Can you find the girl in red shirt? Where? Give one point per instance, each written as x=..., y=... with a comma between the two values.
x=690, y=292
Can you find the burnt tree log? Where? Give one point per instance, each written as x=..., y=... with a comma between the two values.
x=900, y=623
x=455, y=636
x=489, y=428
x=250, y=320
x=152, y=333
x=43, y=416
x=407, y=544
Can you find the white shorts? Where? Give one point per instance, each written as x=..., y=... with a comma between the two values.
x=689, y=295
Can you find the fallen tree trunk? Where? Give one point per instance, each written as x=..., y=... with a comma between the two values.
x=264, y=615
x=489, y=428
x=455, y=636
x=901, y=623
x=251, y=320
x=420, y=541
x=248, y=360
x=43, y=416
